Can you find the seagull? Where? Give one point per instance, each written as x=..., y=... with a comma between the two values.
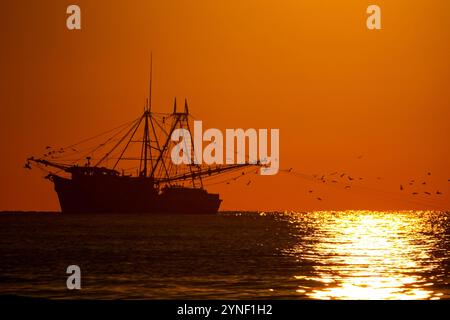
x=401, y=187
x=347, y=187
x=429, y=173
x=248, y=183
x=426, y=192
x=415, y=193
x=438, y=192
x=424, y=183
x=310, y=191
x=290, y=169
x=342, y=175
x=320, y=199
x=48, y=147
x=350, y=178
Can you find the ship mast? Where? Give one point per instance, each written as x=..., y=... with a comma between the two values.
x=146, y=141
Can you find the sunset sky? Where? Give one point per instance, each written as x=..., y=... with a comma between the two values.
x=345, y=98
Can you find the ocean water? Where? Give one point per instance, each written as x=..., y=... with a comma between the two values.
x=315, y=255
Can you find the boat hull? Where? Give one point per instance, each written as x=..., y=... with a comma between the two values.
x=130, y=195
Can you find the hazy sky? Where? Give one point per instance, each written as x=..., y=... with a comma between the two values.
x=335, y=89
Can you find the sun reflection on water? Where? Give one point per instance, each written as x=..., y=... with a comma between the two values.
x=368, y=255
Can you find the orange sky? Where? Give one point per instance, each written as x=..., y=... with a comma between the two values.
x=311, y=68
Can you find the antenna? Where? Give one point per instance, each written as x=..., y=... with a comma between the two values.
x=186, y=110
x=150, y=86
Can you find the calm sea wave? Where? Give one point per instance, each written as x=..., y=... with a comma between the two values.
x=316, y=255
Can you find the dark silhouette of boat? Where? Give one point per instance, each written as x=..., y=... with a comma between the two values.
x=157, y=185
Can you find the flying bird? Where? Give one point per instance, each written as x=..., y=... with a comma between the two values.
x=438, y=192
x=426, y=192
x=401, y=187
x=320, y=199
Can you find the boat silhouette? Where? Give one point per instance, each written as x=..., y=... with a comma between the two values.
x=156, y=186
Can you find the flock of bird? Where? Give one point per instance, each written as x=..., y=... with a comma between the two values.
x=347, y=180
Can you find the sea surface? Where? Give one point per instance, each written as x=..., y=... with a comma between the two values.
x=314, y=255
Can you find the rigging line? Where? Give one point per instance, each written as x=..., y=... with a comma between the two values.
x=212, y=177
x=126, y=146
x=100, y=134
x=91, y=150
x=226, y=180
x=228, y=149
x=165, y=146
x=157, y=144
x=400, y=197
x=162, y=128
x=193, y=149
x=104, y=144
x=86, y=151
x=120, y=141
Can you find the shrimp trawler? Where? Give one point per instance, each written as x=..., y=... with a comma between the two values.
x=130, y=170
